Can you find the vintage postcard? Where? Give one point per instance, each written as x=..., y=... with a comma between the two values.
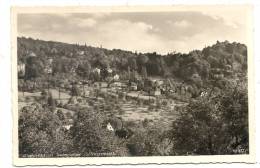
x=132, y=85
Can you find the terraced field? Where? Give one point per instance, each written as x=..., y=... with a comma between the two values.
x=129, y=110
x=28, y=98
x=132, y=112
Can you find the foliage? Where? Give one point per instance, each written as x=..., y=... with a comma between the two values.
x=173, y=65
x=33, y=68
x=90, y=137
x=149, y=141
x=213, y=125
x=60, y=114
x=40, y=132
x=84, y=69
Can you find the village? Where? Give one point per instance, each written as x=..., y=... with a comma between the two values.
x=136, y=98
x=130, y=96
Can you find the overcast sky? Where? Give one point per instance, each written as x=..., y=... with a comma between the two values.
x=163, y=32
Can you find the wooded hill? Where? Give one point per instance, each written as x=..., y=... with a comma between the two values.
x=221, y=61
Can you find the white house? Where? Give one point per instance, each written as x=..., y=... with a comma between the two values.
x=116, y=84
x=203, y=93
x=156, y=92
x=133, y=86
x=67, y=127
x=109, y=70
x=48, y=69
x=21, y=67
x=50, y=61
x=97, y=70
x=109, y=127
x=159, y=82
x=32, y=54
x=81, y=52
x=100, y=84
x=116, y=77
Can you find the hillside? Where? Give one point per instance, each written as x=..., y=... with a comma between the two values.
x=221, y=61
x=131, y=104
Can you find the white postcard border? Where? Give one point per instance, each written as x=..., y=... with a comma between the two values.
x=250, y=158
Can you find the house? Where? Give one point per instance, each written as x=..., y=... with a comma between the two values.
x=100, y=84
x=133, y=86
x=159, y=82
x=68, y=124
x=116, y=84
x=109, y=70
x=109, y=127
x=21, y=68
x=73, y=70
x=155, y=92
x=80, y=52
x=48, y=69
x=50, y=61
x=116, y=77
x=203, y=93
x=195, y=76
x=215, y=70
x=218, y=76
x=97, y=70
x=32, y=54
x=228, y=72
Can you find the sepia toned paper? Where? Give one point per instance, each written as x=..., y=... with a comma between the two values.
x=22, y=17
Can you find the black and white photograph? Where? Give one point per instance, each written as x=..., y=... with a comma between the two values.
x=133, y=83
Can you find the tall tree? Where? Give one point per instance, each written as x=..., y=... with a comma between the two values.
x=144, y=72
x=84, y=69
x=33, y=68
